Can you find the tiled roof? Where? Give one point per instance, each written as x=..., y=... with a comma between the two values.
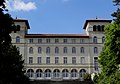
x=57, y=35
x=22, y=20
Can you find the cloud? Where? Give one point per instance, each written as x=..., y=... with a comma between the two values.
x=20, y=5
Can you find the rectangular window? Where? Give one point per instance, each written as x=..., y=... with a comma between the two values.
x=96, y=63
x=56, y=40
x=39, y=60
x=30, y=40
x=56, y=60
x=64, y=40
x=73, y=40
x=47, y=40
x=65, y=60
x=47, y=60
x=39, y=40
x=82, y=60
x=73, y=60
x=30, y=60
x=81, y=40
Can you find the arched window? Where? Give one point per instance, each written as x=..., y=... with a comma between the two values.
x=65, y=50
x=103, y=39
x=94, y=28
x=82, y=72
x=18, y=27
x=95, y=39
x=56, y=50
x=82, y=49
x=39, y=73
x=56, y=73
x=30, y=50
x=65, y=73
x=95, y=50
x=17, y=39
x=30, y=73
x=48, y=50
x=47, y=73
x=99, y=27
x=73, y=50
x=73, y=73
x=102, y=27
x=39, y=50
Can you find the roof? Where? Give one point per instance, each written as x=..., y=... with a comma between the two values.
x=56, y=35
x=95, y=20
x=22, y=20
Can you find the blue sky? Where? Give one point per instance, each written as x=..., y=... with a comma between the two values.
x=60, y=16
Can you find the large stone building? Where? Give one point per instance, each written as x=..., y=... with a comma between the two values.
x=60, y=56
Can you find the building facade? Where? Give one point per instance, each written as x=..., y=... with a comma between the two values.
x=60, y=56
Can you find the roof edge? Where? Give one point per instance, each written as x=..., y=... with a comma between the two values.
x=96, y=20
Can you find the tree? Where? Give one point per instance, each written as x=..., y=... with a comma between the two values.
x=11, y=63
x=110, y=57
x=87, y=77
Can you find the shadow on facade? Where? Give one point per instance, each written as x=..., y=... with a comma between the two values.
x=61, y=82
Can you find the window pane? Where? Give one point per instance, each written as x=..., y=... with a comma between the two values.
x=95, y=50
x=65, y=60
x=48, y=50
x=56, y=50
x=95, y=39
x=39, y=40
x=82, y=60
x=73, y=60
x=81, y=40
x=30, y=60
x=39, y=50
x=47, y=40
x=96, y=63
x=31, y=50
x=56, y=40
x=47, y=60
x=82, y=50
x=64, y=40
x=30, y=40
x=65, y=50
x=39, y=60
x=17, y=39
x=56, y=60
x=73, y=50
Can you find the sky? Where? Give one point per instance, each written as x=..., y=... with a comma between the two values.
x=59, y=16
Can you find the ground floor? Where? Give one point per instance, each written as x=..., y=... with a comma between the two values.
x=42, y=74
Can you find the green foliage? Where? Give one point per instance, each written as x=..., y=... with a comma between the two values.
x=87, y=77
x=116, y=14
x=109, y=58
x=95, y=78
x=11, y=67
x=11, y=63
